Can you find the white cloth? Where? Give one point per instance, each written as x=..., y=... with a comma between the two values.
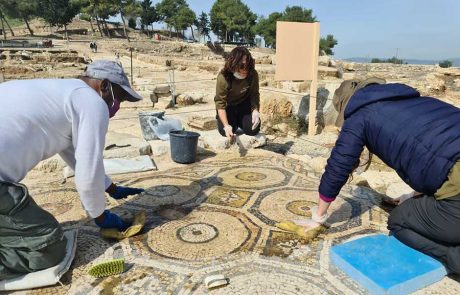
x=40, y=118
x=120, y=166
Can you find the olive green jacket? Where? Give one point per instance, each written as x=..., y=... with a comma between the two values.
x=237, y=91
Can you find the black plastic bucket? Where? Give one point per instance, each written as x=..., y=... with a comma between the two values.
x=183, y=146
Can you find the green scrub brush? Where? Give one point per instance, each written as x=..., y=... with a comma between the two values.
x=107, y=268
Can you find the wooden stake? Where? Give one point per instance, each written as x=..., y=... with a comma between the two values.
x=314, y=85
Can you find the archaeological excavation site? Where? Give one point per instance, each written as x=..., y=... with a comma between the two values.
x=219, y=209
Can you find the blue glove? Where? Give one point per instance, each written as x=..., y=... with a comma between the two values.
x=122, y=192
x=112, y=220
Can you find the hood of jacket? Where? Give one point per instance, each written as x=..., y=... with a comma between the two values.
x=378, y=92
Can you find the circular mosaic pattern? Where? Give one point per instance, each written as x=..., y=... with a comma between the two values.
x=291, y=204
x=217, y=216
x=254, y=177
x=301, y=208
x=197, y=233
x=162, y=191
x=251, y=176
x=165, y=191
x=202, y=235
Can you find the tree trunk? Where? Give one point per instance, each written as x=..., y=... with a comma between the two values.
x=107, y=29
x=99, y=26
x=3, y=26
x=4, y=19
x=193, y=35
x=91, y=24
x=66, y=34
x=28, y=27
x=124, y=26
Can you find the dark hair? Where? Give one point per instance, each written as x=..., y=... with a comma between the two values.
x=234, y=62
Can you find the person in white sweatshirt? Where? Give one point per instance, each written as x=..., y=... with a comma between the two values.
x=38, y=119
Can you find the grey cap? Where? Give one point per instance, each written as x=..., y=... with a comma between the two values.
x=112, y=71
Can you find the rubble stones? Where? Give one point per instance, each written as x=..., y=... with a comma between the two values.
x=184, y=99
x=203, y=123
x=159, y=147
x=213, y=140
x=216, y=142
x=278, y=105
x=435, y=82
x=327, y=72
x=162, y=89
x=324, y=60
x=248, y=142
x=295, y=86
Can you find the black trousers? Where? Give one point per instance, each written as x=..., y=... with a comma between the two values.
x=431, y=227
x=239, y=115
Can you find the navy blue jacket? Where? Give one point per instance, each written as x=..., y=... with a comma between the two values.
x=417, y=136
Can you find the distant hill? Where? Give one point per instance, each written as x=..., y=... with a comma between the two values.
x=455, y=61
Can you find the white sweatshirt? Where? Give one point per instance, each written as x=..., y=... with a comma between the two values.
x=40, y=118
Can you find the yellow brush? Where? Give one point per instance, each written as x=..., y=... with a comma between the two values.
x=299, y=230
x=136, y=227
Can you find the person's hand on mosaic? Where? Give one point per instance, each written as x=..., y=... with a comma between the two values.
x=229, y=132
x=111, y=220
x=315, y=221
x=122, y=192
x=306, y=228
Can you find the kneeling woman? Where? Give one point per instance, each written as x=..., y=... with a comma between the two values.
x=417, y=136
x=237, y=95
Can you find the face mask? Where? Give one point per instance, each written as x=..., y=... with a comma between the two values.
x=115, y=104
x=114, y=108
x=239, y=76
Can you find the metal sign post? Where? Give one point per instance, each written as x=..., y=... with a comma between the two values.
x=132, y=74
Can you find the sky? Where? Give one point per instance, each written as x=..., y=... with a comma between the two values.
x=410, y=29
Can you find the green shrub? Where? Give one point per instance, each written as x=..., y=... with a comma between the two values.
x=445, y=64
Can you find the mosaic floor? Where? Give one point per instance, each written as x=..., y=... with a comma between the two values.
x=217, y=217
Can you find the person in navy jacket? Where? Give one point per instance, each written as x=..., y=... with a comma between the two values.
x=417, y=136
